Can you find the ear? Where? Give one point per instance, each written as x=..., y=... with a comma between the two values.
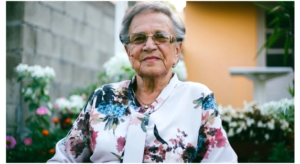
x=177, y=52
x=127, y=51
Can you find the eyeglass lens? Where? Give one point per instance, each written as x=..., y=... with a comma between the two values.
x=158, y=38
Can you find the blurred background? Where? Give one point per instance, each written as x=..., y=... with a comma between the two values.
x=58, y=52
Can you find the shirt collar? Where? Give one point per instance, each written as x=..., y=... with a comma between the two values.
x=165, y=93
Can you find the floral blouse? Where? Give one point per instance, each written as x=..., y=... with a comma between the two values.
x=182, y=125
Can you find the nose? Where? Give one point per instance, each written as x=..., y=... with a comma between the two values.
x=149, y=45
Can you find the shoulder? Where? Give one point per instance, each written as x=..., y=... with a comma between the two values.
x=114, y=86
x=197, y=87
x=109, y=89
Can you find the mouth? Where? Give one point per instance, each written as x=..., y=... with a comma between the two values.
x=151, y=59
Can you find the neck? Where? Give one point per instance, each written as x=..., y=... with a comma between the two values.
x=147, y=86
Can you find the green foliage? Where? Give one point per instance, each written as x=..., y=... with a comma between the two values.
x=280, y=153
x=283, y=109
x=38, y=126
x=263, y=125
x=36, y=90
x=283, y=23
x=41, y=149
x=256, y=157
x=291, y=90
x=250, y=124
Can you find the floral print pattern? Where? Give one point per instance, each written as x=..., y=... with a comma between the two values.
x=175, y=150
x=113, y=127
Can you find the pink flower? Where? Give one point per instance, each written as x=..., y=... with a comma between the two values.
x=83, y=96
x=42, y=110
x=10, y=142
x=56, y=106
x=28, y=141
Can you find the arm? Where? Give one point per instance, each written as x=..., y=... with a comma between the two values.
x=75, y=146
x=213, y=145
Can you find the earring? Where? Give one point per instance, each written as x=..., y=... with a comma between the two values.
x=174, y=65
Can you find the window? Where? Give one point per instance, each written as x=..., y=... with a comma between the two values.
x=275, y=54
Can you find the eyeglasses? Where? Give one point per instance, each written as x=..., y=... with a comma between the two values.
x=158, y=38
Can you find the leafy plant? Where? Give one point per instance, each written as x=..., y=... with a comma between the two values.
x=280, y=152
x=284, y=109
x=256, y=157
x=262, y=126
x=68, y=109
x=259, y=124
x=291, y=90
x=283, y=23
x=38, y=139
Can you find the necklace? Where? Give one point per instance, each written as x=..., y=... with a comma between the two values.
x=146, y=105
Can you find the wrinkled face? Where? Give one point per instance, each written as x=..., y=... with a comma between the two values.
x=150, y=59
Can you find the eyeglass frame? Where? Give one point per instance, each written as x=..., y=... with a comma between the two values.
x=172, y=39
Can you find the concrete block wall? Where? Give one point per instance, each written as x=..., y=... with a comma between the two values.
x=75, y=38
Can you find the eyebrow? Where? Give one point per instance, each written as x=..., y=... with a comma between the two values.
x=153, y=34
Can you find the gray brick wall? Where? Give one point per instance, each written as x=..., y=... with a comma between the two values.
x=74, y=38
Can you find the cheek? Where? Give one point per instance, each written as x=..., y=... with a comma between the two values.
x=135, y=52
x=170, y=56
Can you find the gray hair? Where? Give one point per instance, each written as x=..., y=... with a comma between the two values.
x=140, y=8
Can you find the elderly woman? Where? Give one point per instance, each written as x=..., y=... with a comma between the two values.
x=154, y=117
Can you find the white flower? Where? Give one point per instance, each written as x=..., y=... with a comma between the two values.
x=28, y=92
x=280, y=106
x=46, y=92
x=267, y=136
x=232, y=124
x=241, y=115
x=49, y=104
x=284, y=125
x=249, y=121
x=242, y=125
x=116, y=65
x=36, y=71
x=274, y=110
x=271, y=124
x=260, y=124
x=21, y=68
x=62, y=103
x=230, y=133
x=239, y=130
x=251, y=133
x=49, y=72
x=226, y=118
x=75, y=103
x=33, y=96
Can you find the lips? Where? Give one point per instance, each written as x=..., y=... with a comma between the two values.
x=151, y=58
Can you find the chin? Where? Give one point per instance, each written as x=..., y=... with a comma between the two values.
x=153, y=72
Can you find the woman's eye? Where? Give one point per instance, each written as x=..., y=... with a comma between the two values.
x=160, y=36
x=138, y=38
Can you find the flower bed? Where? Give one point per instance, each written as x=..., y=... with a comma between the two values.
x=255, y=128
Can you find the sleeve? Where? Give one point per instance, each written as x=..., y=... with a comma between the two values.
x=75, y=146
x=213, y=145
